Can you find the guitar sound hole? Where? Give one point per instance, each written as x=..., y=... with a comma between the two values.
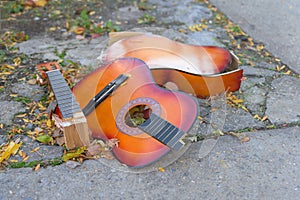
x=137, y=115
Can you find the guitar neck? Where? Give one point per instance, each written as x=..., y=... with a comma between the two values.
x=65, y=99
x=163, y=131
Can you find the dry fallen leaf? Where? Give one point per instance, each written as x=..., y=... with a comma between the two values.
x=21, y=115
x=11, y=149
x=37, y=167
x=74, y=154
x=161, y=169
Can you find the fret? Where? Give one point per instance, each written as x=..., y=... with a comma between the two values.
x=66, y=105
x=64, y=97
x=67, y=110
x=156, y=125
x=175, y=140
x=62, y=94
x=61, y=89
x=153, y=121
x=161, y=135
x=163, y=131
x=170, y=134
x=58, y=82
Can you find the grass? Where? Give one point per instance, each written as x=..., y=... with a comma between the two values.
x=24, y=100
x=32, y=164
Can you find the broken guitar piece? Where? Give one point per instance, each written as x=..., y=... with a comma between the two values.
x=132, y=99
x=202, y=71
x=71, y=120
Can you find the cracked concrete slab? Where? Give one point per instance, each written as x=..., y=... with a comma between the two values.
x=283, y=100
x=8, y=110
x=260, y=168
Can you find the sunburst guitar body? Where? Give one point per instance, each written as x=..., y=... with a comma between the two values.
x=170, y=114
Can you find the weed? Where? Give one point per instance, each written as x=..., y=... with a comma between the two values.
x=84, y=21
x=43, y=163
x=146, y=19
x=24, y=100
x=14, y=7
x=236, y=29
x=108, y=26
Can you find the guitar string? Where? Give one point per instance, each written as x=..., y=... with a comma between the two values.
x=167, y=134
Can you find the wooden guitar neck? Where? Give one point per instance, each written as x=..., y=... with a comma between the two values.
x=73, y=122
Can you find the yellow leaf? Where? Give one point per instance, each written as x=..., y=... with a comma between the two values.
x=236, y=101
x=37, y=167
x=26, y=120
x=49, y=123
x=5, y=73
x=52, y=29
x=245, y=139
x=161, y=169
x=288, y=72
x=40, y=3
x=25, y=159
x=35, y=149
x=9, y=67
x=67, y=25
x=260, y=47
x=282, y=67
x=56, y=12
x=264, y=118
x=17, y=61
x=13, y=95
x=78, y=30
x=21, y=153
x=204, y=26
x=13, y=161
x=244, y=108
x=75, y=154
x=41, y=107
x=256, y=117
x=22, y=79
x=10, y=150
x=1, y=126
x=21, y=115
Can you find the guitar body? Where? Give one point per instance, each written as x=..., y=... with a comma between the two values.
x=135, y=148
x=202, y=71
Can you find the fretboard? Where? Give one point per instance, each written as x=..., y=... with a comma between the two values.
x=163, y=131
x=65, y=99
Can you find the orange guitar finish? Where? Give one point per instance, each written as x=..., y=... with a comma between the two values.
x=200, y=86
x=199, y=70
x=107, y=121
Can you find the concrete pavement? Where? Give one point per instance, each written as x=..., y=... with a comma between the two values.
x=266, y=167
x=272, y=22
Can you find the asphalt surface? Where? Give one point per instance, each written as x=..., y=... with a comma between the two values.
x=273, y=22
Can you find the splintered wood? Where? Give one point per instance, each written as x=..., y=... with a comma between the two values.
x=76, y=131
